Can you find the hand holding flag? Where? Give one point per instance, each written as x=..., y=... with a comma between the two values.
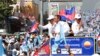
x=34, y=27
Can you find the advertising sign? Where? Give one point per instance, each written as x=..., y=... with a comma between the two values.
x=78, y=46
x=53, y=8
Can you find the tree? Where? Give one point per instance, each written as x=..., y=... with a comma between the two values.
x=5, y=12
x=5, y=9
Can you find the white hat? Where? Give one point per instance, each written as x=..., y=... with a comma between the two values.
x=11, y=41
x=51, y=17
x=78, y=16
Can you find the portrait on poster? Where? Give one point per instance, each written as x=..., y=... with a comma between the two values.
x=53, y=8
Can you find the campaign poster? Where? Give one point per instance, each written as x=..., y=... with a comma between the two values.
x=53, y=8
x=78, y=46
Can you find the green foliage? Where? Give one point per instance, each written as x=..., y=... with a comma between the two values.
x=5, y=10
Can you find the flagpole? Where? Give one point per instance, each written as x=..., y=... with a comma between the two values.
x=41, y=16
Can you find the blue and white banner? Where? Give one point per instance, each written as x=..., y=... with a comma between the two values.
x=78, y=46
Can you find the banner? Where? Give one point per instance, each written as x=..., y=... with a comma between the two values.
x=78, y=46
x=53, y=8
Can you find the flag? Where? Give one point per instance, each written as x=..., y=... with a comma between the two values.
x=62, y=12
x=36, y=53
x=64, y=18
x=70, y=14
x=46, y=47
x=67, y=14
x=70, y=11
x=34, y=27
x=1, y=47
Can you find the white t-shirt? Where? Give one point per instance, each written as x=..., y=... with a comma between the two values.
x=64, y=25
x=75, y=28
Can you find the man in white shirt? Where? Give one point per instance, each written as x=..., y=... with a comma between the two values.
x=77, y=26
x=59, y=32
x=98, y=45
x=60, y=24
x=49, y=26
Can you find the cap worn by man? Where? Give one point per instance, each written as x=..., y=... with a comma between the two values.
x=50, y=17
x=77, y=16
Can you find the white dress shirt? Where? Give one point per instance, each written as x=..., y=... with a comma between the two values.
x=49, y=26
x=75, y=28
x=64, y=25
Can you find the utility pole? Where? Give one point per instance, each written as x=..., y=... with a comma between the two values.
x=41, y=15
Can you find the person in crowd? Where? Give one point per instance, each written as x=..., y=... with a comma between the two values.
x=59, y=31
x=30, y=21
x=77, y=26
x=32, y=37
x=3, y=37
x=3, y=46
x=49, y=26
x=2, y=51
x=17, y=46
x=21, y=39
x=11, y=47
x=30, y=46
x=46, y=38
x=37, y=39
x=23, y=54
x=24, y=48
x=60, y=24
x=98, y=44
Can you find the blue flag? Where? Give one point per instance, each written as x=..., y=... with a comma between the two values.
x=70, y=11
x=1, y=47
